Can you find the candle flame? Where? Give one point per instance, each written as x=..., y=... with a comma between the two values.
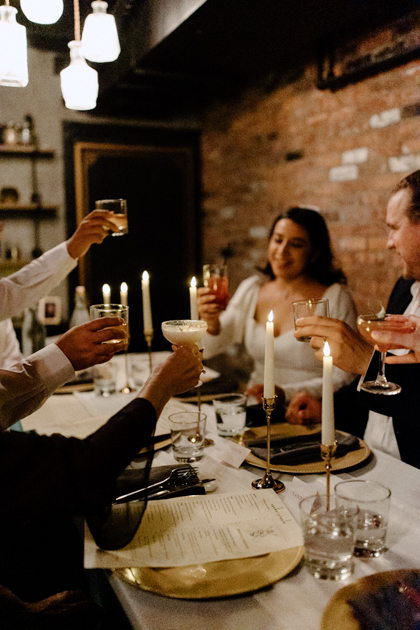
x=145, y=275
x=124, y=287
x=270, y=316
x=193, y=282
x=106, y=289
x=327, y=350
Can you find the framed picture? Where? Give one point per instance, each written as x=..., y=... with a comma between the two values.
x=49, y=310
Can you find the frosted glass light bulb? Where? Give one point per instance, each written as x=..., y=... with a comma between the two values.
x=13, y=49
x=100, y=37
x=79, y=82
x=42, y=11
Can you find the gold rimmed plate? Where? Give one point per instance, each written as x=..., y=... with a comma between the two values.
x=353, y=458
x=338, y=613
x=215, y=579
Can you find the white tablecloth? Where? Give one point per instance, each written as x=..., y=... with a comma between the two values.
x=294, y=603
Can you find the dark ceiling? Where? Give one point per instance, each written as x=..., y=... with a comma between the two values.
x=220, y=47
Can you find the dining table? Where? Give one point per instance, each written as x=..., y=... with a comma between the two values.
x=298, y=600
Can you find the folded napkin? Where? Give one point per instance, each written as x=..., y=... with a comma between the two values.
x=299, y=449
x=394, y=606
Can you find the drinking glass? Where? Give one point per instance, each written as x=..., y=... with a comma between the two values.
x=308, y=308
x=184, y=332
x=119, y=208
x=105, y=379
x=216, y=279
x=373, y=501
x=230, y=410
x=111, y=310
x=187, y=435
x=365, y=325
x=329, y=536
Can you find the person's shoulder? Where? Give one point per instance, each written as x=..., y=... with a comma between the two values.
x=337, y=290
x=250, y=283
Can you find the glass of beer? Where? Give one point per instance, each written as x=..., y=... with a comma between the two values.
x=119, y=208
x=215, y=278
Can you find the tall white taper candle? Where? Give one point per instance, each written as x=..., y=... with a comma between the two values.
x=124, y=294
x=106, y=294
x=328, y=429
x=193, y=298
x=269, y=358
x=147, y=309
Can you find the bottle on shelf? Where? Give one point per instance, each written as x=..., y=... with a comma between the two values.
x=33, y=332
x=80, y=313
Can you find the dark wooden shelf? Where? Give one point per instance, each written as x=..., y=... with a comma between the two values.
x=21, y=150
x=29, y=210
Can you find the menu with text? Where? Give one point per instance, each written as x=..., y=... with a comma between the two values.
x=198, y=529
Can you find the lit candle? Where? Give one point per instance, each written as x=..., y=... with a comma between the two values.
x=124, y=294
x=269, y=358
x=328, y=429
x=147, y=309
x=193, y=298
x=106, y=294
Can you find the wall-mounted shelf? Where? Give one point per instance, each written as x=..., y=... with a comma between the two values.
x=22, y=150
x=30, y=210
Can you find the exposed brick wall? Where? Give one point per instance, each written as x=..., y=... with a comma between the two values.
x=247, y=179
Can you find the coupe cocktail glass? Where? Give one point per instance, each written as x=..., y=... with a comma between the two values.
x=366, y=324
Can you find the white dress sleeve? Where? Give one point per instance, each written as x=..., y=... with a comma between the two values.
x=25, y=386
x=233, y=319
x=28, y=285
x=341, y=307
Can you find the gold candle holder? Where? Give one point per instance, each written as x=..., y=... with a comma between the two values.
x=328, y=453
x=269, y=404
x=149, y=339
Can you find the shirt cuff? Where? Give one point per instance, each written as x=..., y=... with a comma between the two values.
x=52, y=366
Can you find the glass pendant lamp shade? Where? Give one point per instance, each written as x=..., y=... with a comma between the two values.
x=79, y=82
x=13, y=49
x=42, y=11
x=100, y=37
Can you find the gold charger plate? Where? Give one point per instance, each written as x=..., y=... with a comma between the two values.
x=287, y=430
x=76, y=387
x=215, y=579
x=338, y=614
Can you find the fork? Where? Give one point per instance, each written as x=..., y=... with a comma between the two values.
x=178, y=477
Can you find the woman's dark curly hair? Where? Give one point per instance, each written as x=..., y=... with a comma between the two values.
x=322, y=267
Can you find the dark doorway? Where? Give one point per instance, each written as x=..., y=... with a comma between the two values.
x=157, y=171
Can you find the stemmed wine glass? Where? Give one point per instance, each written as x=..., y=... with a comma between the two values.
x=366, y=324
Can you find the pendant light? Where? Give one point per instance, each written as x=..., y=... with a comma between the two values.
x=13, y=49
x=100, y=37
x=42, y=11
x=79, y=82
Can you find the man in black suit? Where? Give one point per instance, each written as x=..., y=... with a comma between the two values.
x=398, y=415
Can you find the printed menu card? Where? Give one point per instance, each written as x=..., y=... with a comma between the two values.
x=198, y=529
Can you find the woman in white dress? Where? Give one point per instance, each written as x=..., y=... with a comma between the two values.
x=300, y=267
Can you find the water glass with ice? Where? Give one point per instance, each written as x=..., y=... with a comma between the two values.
x=230, y=410
x=373, y=501
x=329, y=536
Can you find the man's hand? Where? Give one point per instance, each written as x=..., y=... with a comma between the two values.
x=257, y=391
x=93, y=228
x=409, y=339
x=179, y=373
x=84, y=345
x=304, y=409
x=349, y=350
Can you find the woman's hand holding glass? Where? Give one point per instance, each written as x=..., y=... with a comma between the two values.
x=208, y=309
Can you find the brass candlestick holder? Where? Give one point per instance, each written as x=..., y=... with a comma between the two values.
x=328, y=452
x=149, y=338
x=127, y=389
x=269, y=404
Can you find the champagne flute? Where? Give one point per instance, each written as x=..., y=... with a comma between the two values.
x=366, y=324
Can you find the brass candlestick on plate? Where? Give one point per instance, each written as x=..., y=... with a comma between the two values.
x=328, y=452
x=149, y=339
x=269, y=404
